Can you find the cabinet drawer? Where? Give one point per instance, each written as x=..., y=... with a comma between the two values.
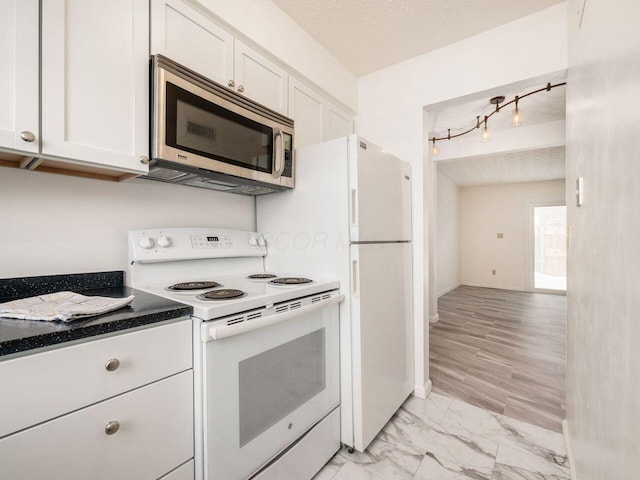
x=45, y=385
x=155, y=435
x=185, y=472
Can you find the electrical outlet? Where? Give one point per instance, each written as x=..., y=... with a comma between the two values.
x=493, y=272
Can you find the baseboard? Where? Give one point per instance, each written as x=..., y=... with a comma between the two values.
x=567, y=445
x=422, y=391
x=498, y=287
x=434, y=318
x=447, y=290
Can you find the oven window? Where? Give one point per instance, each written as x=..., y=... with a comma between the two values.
x=276, y=382
x=196, y=125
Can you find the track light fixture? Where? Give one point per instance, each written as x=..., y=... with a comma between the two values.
x=516, y=117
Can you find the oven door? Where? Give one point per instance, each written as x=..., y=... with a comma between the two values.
x=265, y=387
x=203, y=125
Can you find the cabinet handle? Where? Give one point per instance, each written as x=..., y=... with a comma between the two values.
x=112, y=427
x=232, y=83
x=143, y=159
x=27, y=136
x=241, y=88
x=112, y=364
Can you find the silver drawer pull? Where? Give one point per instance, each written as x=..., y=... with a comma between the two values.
x=112, y=364
x=112, y=427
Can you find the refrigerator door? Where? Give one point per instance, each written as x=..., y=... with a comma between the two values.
x=379, y=194
x=382, y=335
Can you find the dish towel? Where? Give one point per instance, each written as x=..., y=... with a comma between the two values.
x=62, y=306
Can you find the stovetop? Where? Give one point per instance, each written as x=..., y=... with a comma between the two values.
x=159, y=258
x=259, y=293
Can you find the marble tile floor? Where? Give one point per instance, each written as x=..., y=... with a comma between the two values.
x=442, y=438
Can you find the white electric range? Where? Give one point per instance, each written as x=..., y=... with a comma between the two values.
x=266, y=351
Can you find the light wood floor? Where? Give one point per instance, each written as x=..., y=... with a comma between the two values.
x=503, y=351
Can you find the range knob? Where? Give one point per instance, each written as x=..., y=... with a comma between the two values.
x=147, y=243
x=164, y=242
x=252, y=241
x=261, y=241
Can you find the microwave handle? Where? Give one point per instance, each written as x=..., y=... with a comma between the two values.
x=279, y=153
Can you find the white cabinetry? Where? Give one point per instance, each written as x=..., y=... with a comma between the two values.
x=337, y=122
x=119, y=407
x=95, y=82
x=317, y=118
x=19, y=94
x=188, y=36
x=306, y=107
x=192, y=38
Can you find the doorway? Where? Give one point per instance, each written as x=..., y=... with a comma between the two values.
x=548, y=244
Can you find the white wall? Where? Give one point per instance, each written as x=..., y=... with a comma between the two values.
x=526, y=137
x=55, y=224
x=266, y=24
x=448, y=236
x=488, y=210
x=391, y=103
x=603, y=295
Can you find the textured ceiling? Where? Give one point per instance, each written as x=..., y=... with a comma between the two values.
x=510, y=167
x=367, y=35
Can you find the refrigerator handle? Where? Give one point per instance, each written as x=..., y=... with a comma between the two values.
x=354, y=209
x=356, y=279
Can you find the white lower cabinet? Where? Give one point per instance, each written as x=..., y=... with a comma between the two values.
x=139, y=435
x=119, y=407
x=48, y=384
x=184, y=472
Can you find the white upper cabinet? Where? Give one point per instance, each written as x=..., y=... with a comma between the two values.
x=260, y=79
x=95, y=82
x=337, y=122
x=192, y=38
x=306, y=107
x=189, y=37
x=19, y=90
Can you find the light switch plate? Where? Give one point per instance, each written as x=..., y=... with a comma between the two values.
x=500, y=235
x=579, y=191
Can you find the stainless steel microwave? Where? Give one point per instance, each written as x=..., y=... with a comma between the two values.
x=205, y=135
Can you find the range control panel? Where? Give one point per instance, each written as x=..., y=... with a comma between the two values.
x=212, y=241
x=175, y=244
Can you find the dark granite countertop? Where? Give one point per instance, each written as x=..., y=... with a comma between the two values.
x=18, y=336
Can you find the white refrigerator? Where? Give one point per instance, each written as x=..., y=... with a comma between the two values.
x=349, y=217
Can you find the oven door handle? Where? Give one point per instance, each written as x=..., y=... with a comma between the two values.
x=210, y=333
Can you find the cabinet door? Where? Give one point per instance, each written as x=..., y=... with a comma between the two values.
x=306, y=107
x=260, y=79
x=337, y=122
x=19, y=96
x=184, y=34
x=95, y=82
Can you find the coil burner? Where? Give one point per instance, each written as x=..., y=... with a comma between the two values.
x=290, y=281
x=262, y=276
x=221, y=294
x=186, y=286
